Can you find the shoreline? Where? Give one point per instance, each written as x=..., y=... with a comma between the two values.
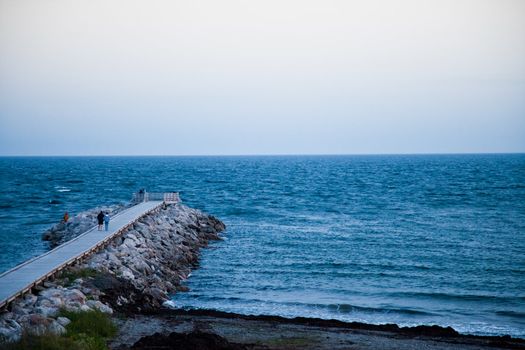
x=275, y=332
x=136, y=273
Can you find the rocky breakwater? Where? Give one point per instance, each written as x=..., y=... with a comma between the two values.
x=135, y=273
x=78, y=224
x=151, y=259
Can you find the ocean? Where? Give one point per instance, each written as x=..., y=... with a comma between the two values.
x=406, y=239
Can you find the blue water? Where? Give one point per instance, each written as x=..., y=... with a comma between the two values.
x=436, y=239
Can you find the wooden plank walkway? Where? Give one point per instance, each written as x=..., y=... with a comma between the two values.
x=25, y=276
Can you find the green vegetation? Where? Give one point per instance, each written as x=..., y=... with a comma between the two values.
x=43, y=342
x=70, y=275
x=91, y=323
x=88, y=330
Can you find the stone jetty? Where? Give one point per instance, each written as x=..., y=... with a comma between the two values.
x=136, y=272
x=78, y=224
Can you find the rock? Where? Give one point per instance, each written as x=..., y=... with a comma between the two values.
x=72, y=306
x=74, y=295
x=10, y=334
x=137, y=270
x=183, y=288
x=56, y=328
x=127, y=274
x=50, y=292
x=95, y=304
x=85, y=308
x=130, y=243
x=63, y=321
x=43, y=302
x=433, y=331
x=47, y=311
x=49, y=284
x=56, y=301
x=132, y=237
x=193, y=340
x=37, y=324
x=30, y=299
x=19, y=310
x=158, y=294
x=112, y=258
x=38, y=319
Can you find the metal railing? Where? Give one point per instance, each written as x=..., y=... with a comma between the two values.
x=168, y=197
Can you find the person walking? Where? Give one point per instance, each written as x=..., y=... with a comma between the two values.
x=106, y=221
x=100, y=218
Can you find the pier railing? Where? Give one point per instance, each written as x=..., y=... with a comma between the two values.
x=168, y=197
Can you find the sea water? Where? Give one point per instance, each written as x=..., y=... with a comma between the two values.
x=408, y=239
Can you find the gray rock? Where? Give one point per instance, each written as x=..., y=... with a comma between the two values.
x=85, y=308
x=127, y=274
x=74, y=295
x=56, y=301
x=47, y=311
x=30, y=299
x=56, y=328
x=9, y=334
x=73, y=306
x=51, y=292
x=18, y=310
x=63, y=321
x=95, y=304
x=130, y=243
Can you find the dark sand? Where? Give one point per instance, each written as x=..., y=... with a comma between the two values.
x=205, y=329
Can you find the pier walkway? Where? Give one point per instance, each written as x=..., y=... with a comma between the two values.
x=25, y=276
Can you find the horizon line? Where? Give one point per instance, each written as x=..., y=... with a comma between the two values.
x=254, y=155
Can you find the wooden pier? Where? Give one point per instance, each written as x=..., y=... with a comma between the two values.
x=22, y=278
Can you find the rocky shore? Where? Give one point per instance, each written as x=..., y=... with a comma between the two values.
x=208, y=329
x=132, y=278
x=135, y=273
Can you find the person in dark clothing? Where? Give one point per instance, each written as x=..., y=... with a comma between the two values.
x=100, y=218
x=141, y=195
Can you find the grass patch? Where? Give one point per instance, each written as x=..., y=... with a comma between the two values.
x=91, y=323
x=88, y=330
x=71, y=275
x=42, y=342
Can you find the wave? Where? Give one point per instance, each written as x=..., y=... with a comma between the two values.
x=342, y=308
x=516, y=314
x=347, y=308
x=452, y=296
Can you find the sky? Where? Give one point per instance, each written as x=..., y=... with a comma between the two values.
x=208, y=77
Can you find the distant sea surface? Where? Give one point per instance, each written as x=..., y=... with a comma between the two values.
x=436, y=239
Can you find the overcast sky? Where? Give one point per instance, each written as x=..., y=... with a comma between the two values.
x=123, y=77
